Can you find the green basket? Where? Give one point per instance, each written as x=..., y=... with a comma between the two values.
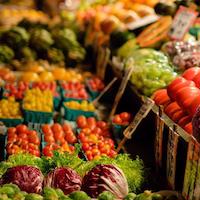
x=57, y=102
x=92, y=93
x=11, y=122
x=38, y=117
x=72, y=114
x=118, y=131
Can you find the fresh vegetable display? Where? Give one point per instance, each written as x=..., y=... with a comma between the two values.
x=10, y=109
x=37, y=100
x=123, y=119
x=58, y=137
x=96, y=84
x=22, y=139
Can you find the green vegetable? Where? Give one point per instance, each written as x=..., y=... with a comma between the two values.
x=50, y=194
x=41, y=39
x=130, y=196
x=156, y=197
x=27, y=53
x=144, y=196
x=55, y=55
x=7, y=190
x=106, y=196
x=16, y=37
x=19, y=196
x=4, y=197
x=59, y=192
x=33, y=197
x=79, y=195
x=6, y=54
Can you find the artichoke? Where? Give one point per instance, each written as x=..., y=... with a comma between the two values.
x=41, y=39
x=77, y=53
x=6, y=54
x=27, y=53
x=55, y=55
x=16, y=37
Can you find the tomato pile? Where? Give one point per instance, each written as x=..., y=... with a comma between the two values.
x=123, y=119
x=95, y=137
x=22, y=139
x=58, y=137
x=15, y=89
x=75, y=90
x=181, y=98
x=96, y=84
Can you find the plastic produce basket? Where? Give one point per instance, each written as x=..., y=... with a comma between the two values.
x=38, y=117
x=92, y=93
x=72, y=114
x=57, y=102
x=11, y=122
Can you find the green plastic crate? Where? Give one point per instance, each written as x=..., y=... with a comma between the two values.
x=11, y=122
x=118, y=131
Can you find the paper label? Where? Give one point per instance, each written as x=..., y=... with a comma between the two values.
x=171, y=157
x=183, y=20
x=159, y=141
x=142, y=113
x=188, y=169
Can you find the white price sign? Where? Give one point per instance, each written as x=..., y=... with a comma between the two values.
x=183, y=20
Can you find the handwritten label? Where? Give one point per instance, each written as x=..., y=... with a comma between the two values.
x=142, y=113
x=188, y=169
x=171, y=157
x=183, y=20
x=159, y=141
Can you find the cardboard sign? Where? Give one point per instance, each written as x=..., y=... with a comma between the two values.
x=159, y=140
x=171, y=157
x=142, y=113
x=188, y=169
x=183, y=20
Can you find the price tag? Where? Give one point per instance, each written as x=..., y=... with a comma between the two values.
x=183, y=20
x=186, y=184
x=171, y=157
x=194, y=168
x=159, y=140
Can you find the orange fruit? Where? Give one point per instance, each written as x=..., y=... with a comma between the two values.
x=59, y=73
x=29, y=77
x=46, y=76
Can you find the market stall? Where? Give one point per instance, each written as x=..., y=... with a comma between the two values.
x=100, y=100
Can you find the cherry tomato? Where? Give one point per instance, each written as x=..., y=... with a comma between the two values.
x=117, y=119
x=12, y=130
x=56, y=127
x=49, y=139
x=66, y=127
x=90, y=157
x=101, y=124
x=46, y=128
x=91, y=123
x=125, y=116
x=70, y=137
x=95, y=152
x=112, y=153
x=22, y=128
x=32, y=133
x=72, y=148
x=81, y=121
x=85, y=146
x=97, y=131
x=47, y=151
x=22, y=135
x=58, y=135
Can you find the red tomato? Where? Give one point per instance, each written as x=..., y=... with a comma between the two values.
x=47, y=151
x=12, y=137
x=70, y=137
x=95, y=152
x=49, y=139
x=22, y=136
x=100, y=144
x=72, y=148
x=91, y=123
x=171, y=109
x=186, y=95
x=176, y=85
x=34, y=140
x=32, y=133
x=125, y=116
x=58, y=135
x=101, y=124
x=88, y=153
x=82, y=137
x=12, y=130
x=22, y=128
x=66, y=127
x=97, y=131
x=183, y=121
x=85, y=146
x=87, y=131
x=188, y=128
x=196, y=79
x=46, y=128
x=110, y=142
x=177, y=115
x=112, y=153
x=194, y=105
x=190, y=73
x=90, y=157
x=56, y=128
x=117, y=119
x=81, y=121
x=104, y=150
